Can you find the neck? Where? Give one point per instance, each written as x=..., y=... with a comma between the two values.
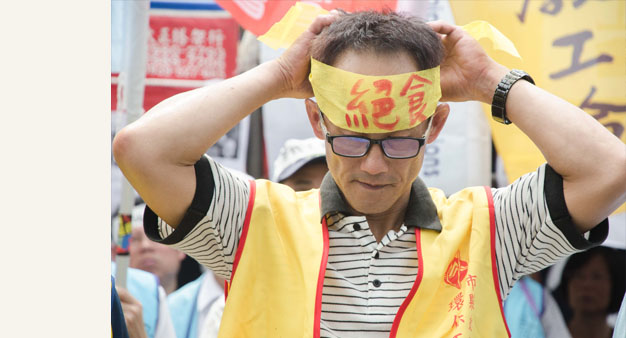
x=380, y=224
x=169, y=284
x=589, y=326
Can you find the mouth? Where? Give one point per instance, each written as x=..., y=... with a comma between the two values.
x=372, y=187
x=147, y=263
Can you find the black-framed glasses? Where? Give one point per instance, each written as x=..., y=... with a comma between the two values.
x=358, y=146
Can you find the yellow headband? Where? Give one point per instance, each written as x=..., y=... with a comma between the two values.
x=375, y=104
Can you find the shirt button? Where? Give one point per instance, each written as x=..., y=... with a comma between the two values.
x=376, y=283
x=376, y=256
x=356, y=227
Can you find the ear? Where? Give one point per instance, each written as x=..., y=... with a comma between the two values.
x=312, y=111
x=439, y=119
x=181, y=255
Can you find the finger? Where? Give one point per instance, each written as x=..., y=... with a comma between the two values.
x=123, y=294
x=443, y=108
x=132, y=311
x=442, y=27
x=323, y=21
x=126, y=297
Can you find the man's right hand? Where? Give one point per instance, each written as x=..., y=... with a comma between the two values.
x=295, y=63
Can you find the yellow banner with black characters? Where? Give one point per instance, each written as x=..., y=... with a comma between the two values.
x=575, y=49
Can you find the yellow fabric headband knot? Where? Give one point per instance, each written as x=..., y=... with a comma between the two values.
x=375, y=104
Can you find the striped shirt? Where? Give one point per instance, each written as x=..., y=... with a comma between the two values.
x=366, y=281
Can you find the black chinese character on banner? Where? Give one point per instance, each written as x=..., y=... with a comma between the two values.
x=603, y=110
x=577, y=40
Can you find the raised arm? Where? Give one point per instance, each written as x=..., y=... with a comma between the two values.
x=591, y=160
x=157, y=152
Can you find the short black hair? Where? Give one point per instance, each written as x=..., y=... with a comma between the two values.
x=381, y=32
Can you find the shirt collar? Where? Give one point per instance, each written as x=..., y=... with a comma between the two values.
x=421, y=211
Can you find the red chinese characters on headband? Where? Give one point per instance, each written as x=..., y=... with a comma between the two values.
x=416, y=98
x=382, y=106
x=355, y=104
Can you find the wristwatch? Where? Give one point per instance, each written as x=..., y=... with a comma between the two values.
x=498, y=111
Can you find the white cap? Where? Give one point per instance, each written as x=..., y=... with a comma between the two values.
x=296, y=153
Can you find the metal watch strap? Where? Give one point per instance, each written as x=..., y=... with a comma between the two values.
x=498, y=111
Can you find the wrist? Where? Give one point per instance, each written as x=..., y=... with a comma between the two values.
x=274, y=80
x=498, y=106
x=490, y=79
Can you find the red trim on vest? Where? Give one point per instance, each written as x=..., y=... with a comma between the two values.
x=320, y=282
x=418, y=280
x=226, y=288
x=244, y=232
x=494, y=266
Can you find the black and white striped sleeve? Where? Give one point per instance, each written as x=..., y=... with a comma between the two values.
x=211, y=227
x=533, y=227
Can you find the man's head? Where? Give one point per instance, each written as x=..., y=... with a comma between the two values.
x=377, y=44
x=301, y=164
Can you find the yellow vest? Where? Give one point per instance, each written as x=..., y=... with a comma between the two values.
x=279, y=268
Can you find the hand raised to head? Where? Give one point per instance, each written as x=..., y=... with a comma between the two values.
x=295, y=64
x=467, y=72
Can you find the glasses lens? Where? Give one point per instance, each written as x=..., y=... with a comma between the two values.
x=350, y=145
x=401, y=147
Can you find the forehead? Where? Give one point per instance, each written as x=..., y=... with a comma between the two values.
x=375, y=63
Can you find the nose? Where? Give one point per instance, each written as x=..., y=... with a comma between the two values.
x=375, y=161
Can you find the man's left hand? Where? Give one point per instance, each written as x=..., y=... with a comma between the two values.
x=467, y=72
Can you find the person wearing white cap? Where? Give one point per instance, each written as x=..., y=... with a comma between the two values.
x=301, y=164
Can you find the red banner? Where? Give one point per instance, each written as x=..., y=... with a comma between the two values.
x=192, y=48
x=259, y=16
x=185, y=49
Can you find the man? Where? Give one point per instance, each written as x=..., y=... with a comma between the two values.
x=161, y=260
x=301, y=164
x=390, y=257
